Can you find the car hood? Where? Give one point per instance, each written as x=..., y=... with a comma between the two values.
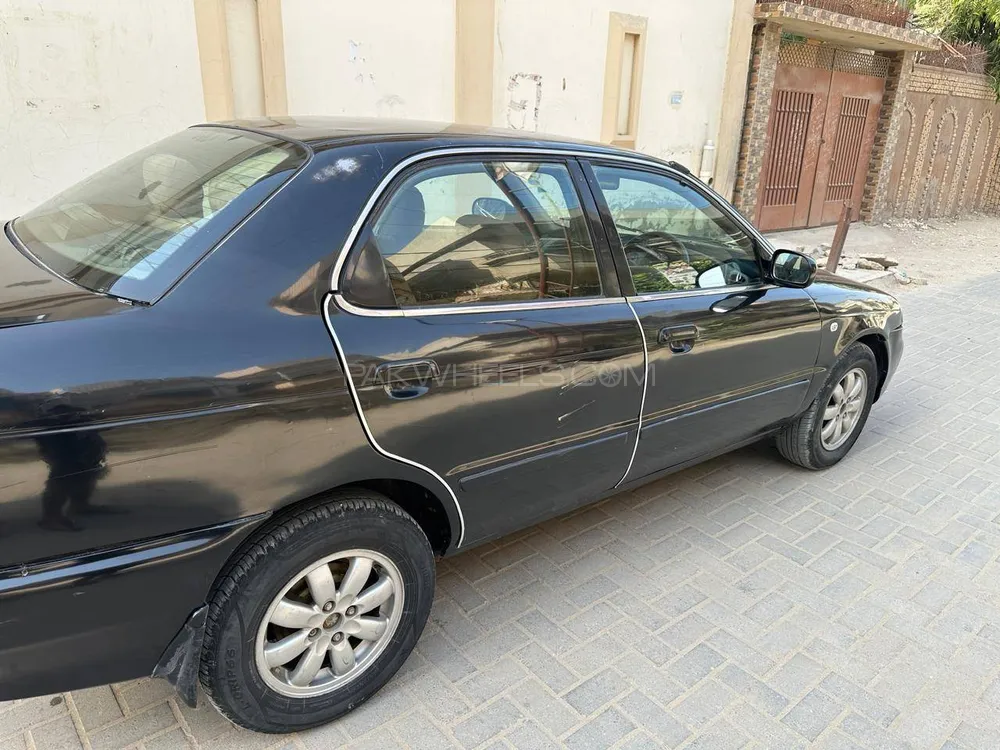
x=31, y=294
x=826, y=277
x=837, y=296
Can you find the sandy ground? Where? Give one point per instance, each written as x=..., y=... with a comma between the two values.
x=938, y=251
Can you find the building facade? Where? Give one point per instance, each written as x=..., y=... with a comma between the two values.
x=825, y=102
x=84, y=82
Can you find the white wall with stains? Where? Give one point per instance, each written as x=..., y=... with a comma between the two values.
x=377, y=58
x=553, y=53
x=85, y=82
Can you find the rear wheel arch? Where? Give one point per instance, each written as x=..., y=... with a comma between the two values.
x=351, y=524
x=424, y=506
x=427, y=509
x=415, y=499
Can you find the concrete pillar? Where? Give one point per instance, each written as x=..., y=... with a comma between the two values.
x=875, y=201
x=475, y=34
x=734, y=96
x=219, y=81
x=272, y=57
x=213, y=49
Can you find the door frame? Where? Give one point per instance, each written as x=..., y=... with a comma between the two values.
x=762, y=251
x=611, y=291
x=761, y=248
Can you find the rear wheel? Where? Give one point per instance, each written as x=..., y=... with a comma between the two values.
x=317, y=614
x=829, y=428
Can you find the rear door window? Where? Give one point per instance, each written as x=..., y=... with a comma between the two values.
x=134, y=228
x=485, y=231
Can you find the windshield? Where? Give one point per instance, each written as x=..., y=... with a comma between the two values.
x=134, y=228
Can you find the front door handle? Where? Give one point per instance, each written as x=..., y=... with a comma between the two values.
x=680, y=339
x=730, y=303
x=407, y=379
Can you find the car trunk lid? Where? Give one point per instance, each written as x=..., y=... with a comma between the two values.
x=31, y=294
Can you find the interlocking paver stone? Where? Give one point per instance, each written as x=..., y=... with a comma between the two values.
x=133, y=728
x=602, y=731
x=810, y=716
x=59, y=734
x=743, y=601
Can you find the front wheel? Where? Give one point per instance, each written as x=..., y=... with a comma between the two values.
x=829, y=428
x=317, y=614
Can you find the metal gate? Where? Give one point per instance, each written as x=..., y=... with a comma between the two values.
x=824, y=113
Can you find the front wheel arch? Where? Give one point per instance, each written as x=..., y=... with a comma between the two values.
x=875, y=341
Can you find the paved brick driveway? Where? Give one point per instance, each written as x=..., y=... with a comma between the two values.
x=740, y=604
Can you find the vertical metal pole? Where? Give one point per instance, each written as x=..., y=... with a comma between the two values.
x=839, y=238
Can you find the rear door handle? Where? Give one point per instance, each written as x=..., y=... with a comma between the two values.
x=407, y=379
x=680, y=339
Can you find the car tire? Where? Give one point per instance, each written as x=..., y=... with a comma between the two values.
x=266, y=598
x=804, y=441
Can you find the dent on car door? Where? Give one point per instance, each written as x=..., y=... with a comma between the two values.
x=730, y=355
x=475, y=321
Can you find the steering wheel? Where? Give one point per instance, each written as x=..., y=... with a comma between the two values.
x=657, y=242
x=733, y=273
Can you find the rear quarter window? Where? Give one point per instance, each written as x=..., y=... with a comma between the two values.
x=134, y=228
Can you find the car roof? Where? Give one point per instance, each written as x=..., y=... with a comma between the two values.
x=317, y=132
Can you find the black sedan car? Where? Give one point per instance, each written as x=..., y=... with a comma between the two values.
x=257, y=376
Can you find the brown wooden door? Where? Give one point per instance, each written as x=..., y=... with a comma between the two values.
x=848, y=136
x=824, y=113
x=794, y=136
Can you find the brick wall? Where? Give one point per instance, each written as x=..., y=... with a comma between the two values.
x=946, y=160
x=877, y=181
x=763, y=64
x=778, y=11
x=950, y=83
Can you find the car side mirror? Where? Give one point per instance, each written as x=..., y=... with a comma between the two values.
x=492, y=208
x=789, y=268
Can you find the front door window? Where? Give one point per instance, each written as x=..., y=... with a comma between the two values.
x=674, y=238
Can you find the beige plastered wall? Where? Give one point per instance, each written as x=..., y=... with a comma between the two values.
x=378, y=58
x=85, y=82
x=551, y=66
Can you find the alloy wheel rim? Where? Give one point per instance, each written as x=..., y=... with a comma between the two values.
x=329, y=623
x=843, y=411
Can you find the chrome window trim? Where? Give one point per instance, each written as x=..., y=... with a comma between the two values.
x=648, y=162
x=342, y=357
x=501, y=307
x=488, y=307
x=724, y=205
x=700, y=292
x=499, y=149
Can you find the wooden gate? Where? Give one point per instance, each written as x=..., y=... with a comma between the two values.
x=824, y=113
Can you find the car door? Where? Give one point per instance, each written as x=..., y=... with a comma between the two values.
x=730, y=355
x=487, y=339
